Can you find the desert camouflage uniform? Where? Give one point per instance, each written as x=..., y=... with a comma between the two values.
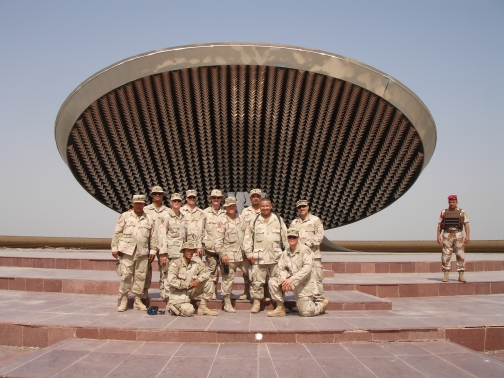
x=248, y=214
x=134, y=238
x=311, y=234
x=156, y=215
x=195, y=222
x=297, y=265
x=211, y=220
x=180, y=275
x=172, y=235
x=453, y=241
x=262, y=242
x=229, y=242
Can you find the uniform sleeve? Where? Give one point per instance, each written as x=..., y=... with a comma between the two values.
x=282, y=271
x=117, y=233
x=304, y=272
x=465, y=217
x=441, y=216
x=283, y=234
x=203, y=273
x=220, y=232
x=161, y=236
x=154, y=242
x=248, y=240
x=318, y=235
x=173, y=278
x=201, y=225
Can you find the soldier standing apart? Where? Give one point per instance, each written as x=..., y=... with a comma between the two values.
x=171, y=237
x=134, y=238
x=452, y=222
x=248, y=214
x=195, y=220
x=262, y=243
x=295, y=273
x=156, y=210
x=212, y=214
x=311, y=234
x=189, y=278
x=229, y=245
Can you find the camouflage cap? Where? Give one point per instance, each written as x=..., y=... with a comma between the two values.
x=230, y=201
x=176, y=196
x=255, y=191
x=215, y=193
x=138, y=198
x=191, y=192
x=301, y=202
x=157, y=189
x=292, y=232
x=188, y=245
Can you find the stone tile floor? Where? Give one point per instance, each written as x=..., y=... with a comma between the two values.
x=100, y=311
x=9, y=354
x=326, y=256
x=339, y=279
x=100, y=358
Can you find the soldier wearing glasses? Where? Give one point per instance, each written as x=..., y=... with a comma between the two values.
x=172, y=234
x=311, y=234
x=156, y=210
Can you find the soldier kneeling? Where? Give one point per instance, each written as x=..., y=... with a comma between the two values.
x=295, y=273
x=188, y=279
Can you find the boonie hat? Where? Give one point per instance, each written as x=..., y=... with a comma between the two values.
x=138, y=198
x=255, y=191
x=191, y=193
x=175, y=196
x=301, y=202
x=230, y=201
x=188, y=245
x=215, y=193
x=293, y=232
x=157, y=189
x=452, y=197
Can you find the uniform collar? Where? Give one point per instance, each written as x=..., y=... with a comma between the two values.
x=306, y=219
x=139, y=217
x=216, y=212
x=170, y=211
x=272, y=218
x=153, y=207
x=290, y=252
x=187, y=208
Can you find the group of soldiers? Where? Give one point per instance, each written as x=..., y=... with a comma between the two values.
x=271, y=256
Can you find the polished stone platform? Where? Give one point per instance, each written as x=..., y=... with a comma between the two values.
x=100, y=358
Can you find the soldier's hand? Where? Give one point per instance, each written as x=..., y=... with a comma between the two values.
x=163, y=259
x=439, y=240
x=225, y=260
x=199, y=251
x=194, y=283
x=286, y=285
x=116, y=255
x=251, y=260
x=151, y=257
x=466, y=240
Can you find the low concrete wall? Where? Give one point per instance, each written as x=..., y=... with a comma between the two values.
x=488, y=246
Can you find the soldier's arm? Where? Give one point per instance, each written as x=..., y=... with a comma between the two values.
x=154, y=241
x=220, y=232
x=201, y=234
x=318, y=235
x=282, y=271
x=304, y=272
x=283, y=234
x=466, y=228
x=162, y=239
x=117, y=233
x=248, y=241
x=173, y=278
x=203, y=273
x=438, y=236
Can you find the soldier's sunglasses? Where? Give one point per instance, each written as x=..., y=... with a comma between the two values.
x=157, y=194
x=215, y=198
x=176, y=200
x=292, y=237
x=301, y=206
x=191, y=197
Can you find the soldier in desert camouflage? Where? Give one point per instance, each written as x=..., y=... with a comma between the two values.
x=294, y=273
x=195, y=221
x=134, y=243
x=452, y=222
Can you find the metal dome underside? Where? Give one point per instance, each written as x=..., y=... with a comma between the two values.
x=291, y=132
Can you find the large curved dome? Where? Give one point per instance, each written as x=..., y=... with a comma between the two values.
x=295, y=122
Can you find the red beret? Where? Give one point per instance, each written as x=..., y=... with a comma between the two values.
x=452, y=197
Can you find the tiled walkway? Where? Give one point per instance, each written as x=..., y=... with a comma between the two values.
x=100, y=358
x=100, y=311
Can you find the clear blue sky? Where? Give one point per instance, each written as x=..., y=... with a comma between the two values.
x=450, y=53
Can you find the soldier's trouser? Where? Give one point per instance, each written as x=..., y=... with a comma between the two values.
x=164, y=285
x=305, y=305
x=453, y=242
x=318, y=274
x=228, y=279
x=148, y=279
x=133, y=264
x=212, y=258
x=181, y=299
x=258, y=278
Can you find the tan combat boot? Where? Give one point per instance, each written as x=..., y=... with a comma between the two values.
x=123, y=304
x=256, y=307
x=228, y=307
x=214, y=295
x=446, y=277
x=204, y=310
x=278, y=311
x=246, y=292
x=461, y=276
x=138, y=305
x=325, y=304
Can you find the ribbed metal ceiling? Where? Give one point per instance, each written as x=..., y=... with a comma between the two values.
x=295, y=134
